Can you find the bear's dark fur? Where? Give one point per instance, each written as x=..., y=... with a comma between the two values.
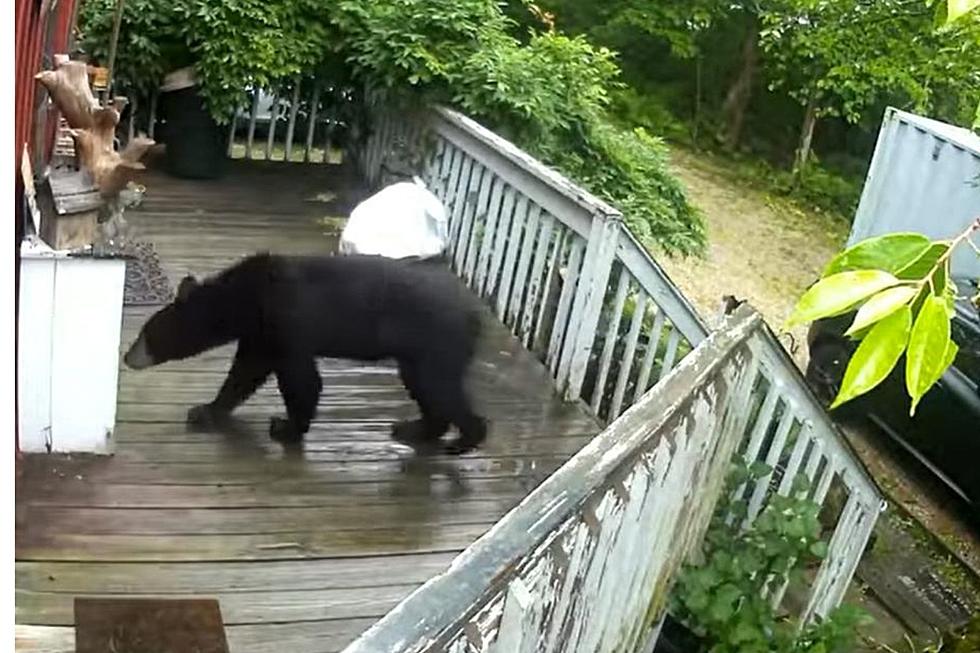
x=286, y=311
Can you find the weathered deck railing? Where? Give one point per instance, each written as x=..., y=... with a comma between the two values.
x=295, y=122
x=543, y=251
x=303, y=111
x=585, y=563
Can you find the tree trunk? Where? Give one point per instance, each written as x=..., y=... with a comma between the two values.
x=740, y=92
x=806, y=140
x=697, y=101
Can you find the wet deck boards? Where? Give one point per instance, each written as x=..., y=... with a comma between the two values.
x=303, y=549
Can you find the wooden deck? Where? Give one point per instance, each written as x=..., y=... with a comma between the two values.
x=303, y=549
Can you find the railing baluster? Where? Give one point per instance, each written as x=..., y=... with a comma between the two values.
x=273, y=121
x=478, y=232
x=829, y=471
x=568, y=289
x=489, y=236
x=653, y=344
x=131, y=128
x=458, y=203
x=232, y=126
x=468, y=217
x=311, y=123
x=761, y=489
x=672, y=341
x=549, y=289
x=291, y=126
x=519, y=286
x=152, y=123
x=513, y=245
x=803, y=440
x=252, y=117
x=600, y=254
x=626, y=362
x=612, y=335
x=439, y=170
x=534, y=285
x=500, y=244
x=327, y=139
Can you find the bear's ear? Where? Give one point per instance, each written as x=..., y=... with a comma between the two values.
x=187, y=284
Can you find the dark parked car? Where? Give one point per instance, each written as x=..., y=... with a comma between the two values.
x=945, y=432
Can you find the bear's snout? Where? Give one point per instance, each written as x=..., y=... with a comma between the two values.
x=138, y=357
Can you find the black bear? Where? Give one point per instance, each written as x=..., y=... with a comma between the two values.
x=286, y=311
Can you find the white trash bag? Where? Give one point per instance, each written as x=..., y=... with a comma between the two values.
x=401, y=220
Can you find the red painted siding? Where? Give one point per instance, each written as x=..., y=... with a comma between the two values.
x=31, y=32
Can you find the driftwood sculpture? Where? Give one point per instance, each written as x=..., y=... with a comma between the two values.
x=104, y=175
x=93, y=128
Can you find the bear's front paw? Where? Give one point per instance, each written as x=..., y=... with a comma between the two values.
x=283, y=430
x=205, y=417
x=410, y=432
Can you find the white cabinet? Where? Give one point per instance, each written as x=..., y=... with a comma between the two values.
x=68, y=350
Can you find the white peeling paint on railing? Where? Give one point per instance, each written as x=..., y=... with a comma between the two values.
x=587, y=560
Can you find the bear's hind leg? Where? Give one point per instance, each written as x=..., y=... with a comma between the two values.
x=427, y=429
x=300, y=385
x=442, y=392
x=248, y=372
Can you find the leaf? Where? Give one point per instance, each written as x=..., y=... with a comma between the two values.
x=956, y=9
x=950, y=356
x=928, y=355
x=758, y=469
x=890, y=253
x=837, y=293
x=723, y=602
x=876, y=356
x=745, y=632
x=920, y=267
x=881, y=306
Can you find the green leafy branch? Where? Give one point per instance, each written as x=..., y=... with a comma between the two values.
x=904, y=297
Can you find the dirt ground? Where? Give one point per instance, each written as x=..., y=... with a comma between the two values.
x=760, y=248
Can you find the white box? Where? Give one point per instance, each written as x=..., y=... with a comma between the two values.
x=70, y=325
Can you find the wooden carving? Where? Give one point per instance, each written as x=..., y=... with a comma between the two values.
x=93, y=127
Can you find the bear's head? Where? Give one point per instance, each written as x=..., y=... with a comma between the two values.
x=197, y=320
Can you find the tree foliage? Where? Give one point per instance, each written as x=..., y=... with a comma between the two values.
x=547, y=91
x=841, y=60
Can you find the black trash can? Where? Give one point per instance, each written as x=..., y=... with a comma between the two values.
x=196, y=145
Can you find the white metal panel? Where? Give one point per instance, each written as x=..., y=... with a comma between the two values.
x=924, y=177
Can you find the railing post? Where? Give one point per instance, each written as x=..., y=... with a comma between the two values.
x=600, y=252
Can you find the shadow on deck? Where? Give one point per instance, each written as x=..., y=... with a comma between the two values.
x=304, y=550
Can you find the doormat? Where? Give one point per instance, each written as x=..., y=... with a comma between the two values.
x=146, y=282
x=149, y=626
